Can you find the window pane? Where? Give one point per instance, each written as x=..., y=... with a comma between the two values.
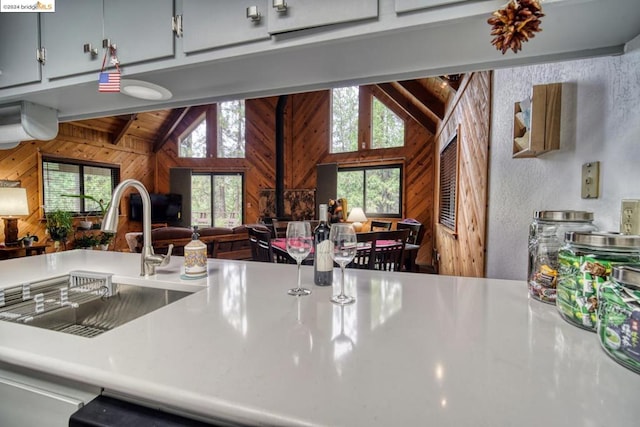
x=98, y=184
x=201, y=200
x=194, y=144
x=351, y=187
x=227, y=200
x=59, y=179
x=378, y=190
x=388, y=128
x=344, y=119
x=383, y=191
x=231, y=129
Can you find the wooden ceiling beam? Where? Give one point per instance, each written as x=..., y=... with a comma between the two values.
x=430, y=124
x=425, y=97
x=125, y=129
x=168, y=127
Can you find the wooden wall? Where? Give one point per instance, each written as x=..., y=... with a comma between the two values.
x=307, y=135
x=22, y=164
x=464, y=254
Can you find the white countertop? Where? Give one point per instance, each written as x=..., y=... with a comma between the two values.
x=415, y=349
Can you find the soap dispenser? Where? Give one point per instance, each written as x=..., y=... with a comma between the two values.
x=195, y=257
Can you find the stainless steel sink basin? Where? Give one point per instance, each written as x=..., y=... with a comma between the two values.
x=85, y=310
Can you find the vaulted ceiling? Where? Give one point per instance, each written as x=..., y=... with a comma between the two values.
x=425, y=100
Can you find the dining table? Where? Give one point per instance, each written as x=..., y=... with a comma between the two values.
x=410, y=251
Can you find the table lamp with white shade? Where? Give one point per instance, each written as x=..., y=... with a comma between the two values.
x=13, y=202
x=357, y=217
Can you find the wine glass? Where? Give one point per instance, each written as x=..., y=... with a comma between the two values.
x=343, y=238
x=299, y=244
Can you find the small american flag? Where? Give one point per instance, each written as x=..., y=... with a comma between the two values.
x=109, y=82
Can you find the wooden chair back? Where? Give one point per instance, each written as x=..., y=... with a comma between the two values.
x=260, y=241
x=415, y=232
x=279, y=228
x=366, y=247
x=389, y=253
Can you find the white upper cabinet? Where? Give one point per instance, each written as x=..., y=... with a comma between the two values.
x=211, y=24
x=291, y=15
x=411, y=5
x=19, y=38
x=73, y=35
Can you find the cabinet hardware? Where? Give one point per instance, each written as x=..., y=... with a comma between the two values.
x=280, y=5
x=90, y=49
x=106, y=43
x=41, y=55
x=176, y=25
x=253, y=14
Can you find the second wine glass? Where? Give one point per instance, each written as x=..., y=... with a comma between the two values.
x=299, y=244
x=343, y=238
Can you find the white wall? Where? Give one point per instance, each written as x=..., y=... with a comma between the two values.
x=600, y=122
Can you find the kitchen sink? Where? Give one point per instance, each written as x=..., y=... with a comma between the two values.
x=85, y=307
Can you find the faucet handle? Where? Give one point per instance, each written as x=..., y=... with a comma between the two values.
x=166, y=258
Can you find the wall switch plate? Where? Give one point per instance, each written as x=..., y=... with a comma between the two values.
x=591, y=180
x=630, y=217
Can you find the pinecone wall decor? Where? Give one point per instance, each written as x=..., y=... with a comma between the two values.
x=514, y=24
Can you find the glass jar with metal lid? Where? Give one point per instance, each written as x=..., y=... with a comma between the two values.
x=619, y=316
x=546, y=237
x=585, y=263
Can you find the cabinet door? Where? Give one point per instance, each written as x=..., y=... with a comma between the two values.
x=411, y=5
x=19, y=40
x=141, y=31
x=301, y=14
x=210, y=24
x=23, y=404
x=64, y=34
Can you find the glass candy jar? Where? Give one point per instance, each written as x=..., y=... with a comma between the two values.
x=619, y=316
x=546, y=237
x=586, y=262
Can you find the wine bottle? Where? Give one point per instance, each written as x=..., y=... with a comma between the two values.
x=322, y=261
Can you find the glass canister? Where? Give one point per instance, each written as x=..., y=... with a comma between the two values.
x=585, y=263
x=546, y=237
x=619, y=316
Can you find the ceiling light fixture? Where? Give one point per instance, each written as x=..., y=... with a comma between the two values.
x=144, y=90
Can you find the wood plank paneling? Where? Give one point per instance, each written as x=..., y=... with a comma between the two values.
x=464, y=254
x=73, y=142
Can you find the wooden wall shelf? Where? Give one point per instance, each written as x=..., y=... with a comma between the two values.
x=536, y=122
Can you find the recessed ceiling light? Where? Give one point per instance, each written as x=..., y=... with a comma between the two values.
x=144, y=90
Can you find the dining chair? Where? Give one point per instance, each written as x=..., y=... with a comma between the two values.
x=364, y=258
x=389, y=251
x=415, y=232
x=279, y=228
x=260, y=241
x=380, y=225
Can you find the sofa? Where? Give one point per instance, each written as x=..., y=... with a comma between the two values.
x=222, y=242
